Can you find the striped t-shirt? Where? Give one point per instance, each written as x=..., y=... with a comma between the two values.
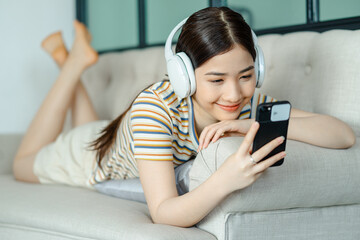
x=159, y=127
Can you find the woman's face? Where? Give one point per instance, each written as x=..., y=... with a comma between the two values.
x=224, y=85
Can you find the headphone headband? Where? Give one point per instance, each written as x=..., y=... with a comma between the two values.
x=168, y=51
x=182, y=74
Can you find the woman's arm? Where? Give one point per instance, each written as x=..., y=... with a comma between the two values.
x=165, y=206
x=237, y=172
x=317, y=129
x=320, y=130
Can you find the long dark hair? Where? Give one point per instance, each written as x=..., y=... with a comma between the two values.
x=207, y=33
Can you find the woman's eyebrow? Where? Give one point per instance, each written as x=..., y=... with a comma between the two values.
x=247, y=69
x=222, y=74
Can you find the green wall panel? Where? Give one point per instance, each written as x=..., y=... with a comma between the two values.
x=163, y=15
x=113, y=23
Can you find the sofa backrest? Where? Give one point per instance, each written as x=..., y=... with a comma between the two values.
x=317, y=72
x=116, y=79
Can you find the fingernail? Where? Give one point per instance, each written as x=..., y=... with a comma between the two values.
x=283, y=154
x=281, y=139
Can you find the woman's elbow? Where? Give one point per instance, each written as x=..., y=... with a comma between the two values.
x=172, y=218
x=351, y=141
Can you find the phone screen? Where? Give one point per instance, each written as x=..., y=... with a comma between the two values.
x=274, y=120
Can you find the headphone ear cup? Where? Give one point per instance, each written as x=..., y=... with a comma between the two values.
x=190, y=72
x=259, y=62
x=259, y=66
x=178, y=76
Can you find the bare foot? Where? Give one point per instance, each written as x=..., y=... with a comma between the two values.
x=81, y=52
x=88, y=35
x=54, y=45
x=60, y=55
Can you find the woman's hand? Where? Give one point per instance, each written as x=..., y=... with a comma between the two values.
x=237, y=172
x=241, y=169
x=221, y=129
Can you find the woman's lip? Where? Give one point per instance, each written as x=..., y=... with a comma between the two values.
x=229, y=108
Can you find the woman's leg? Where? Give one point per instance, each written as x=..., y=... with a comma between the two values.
x=82, y=109
x=49, y=120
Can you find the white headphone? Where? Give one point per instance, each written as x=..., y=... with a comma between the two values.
x=181, y=72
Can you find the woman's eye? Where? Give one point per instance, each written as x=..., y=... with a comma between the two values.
x=246, y=77
x=217, y=81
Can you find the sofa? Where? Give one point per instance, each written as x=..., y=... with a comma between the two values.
x=315, y=194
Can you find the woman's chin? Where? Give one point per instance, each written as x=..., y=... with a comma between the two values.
x=228, y=116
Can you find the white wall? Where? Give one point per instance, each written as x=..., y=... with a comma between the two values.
x=26, y=71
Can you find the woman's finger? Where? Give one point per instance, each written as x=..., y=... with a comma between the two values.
x=206, y=136
x=207, y=139
x=202, y=138
x=210, y=135
x=267, y=148
x=263, y=165
x=248, y=140
x=215, y=133
x=219, y=133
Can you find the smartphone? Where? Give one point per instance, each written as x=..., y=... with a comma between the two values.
x=274, y=121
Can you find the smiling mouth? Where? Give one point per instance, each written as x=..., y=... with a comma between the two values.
x=229, y=108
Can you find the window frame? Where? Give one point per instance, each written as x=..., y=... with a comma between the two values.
x=313, y=22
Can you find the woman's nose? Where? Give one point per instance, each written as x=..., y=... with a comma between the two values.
x=232, y=93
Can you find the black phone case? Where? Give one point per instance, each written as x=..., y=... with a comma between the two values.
x=268, y=131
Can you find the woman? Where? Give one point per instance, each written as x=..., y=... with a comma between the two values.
x=161, y=130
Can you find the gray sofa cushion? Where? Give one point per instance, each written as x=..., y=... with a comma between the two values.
x=34, y=211
x=310, y=177
x=299, y=223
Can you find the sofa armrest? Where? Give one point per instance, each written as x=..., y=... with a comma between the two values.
x=8, y=146
x=310, y=177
